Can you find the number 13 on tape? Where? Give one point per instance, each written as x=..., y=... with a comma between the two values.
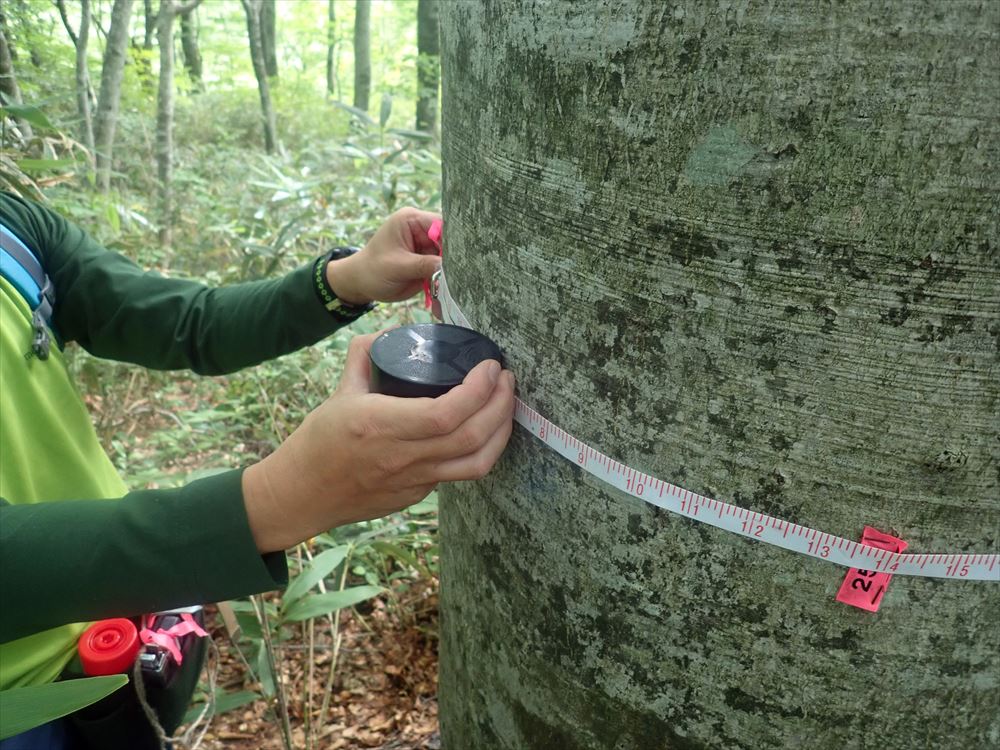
x=865, y=588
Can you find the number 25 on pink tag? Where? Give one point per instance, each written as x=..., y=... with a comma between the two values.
x=865, y=588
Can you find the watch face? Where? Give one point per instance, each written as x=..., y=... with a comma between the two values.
x=342, y=252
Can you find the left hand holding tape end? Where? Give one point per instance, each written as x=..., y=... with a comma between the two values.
x=394, y=263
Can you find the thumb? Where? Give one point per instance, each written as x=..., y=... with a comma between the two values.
x=425, y=266
x=357, y=368
x=422, y=266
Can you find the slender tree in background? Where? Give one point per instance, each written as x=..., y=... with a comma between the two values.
x=8, y=81
x=428, y=64
x=253, y=10
x=362, y=54
x=269, y=36
x=331, y=49
x=149, y=26
x=169, y=10
x=112, y=70
x=189, y=46
x=755, y=255
x=80, y=39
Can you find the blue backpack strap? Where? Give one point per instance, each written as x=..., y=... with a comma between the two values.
x=22, y=269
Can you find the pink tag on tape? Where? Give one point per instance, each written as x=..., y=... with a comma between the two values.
x=864, y=589
x=434, y=235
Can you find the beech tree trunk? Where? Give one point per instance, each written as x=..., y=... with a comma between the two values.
x=331, y=49
x=362, y=54
x=428, y=64
x=106, y=116
x=8, y=82
x=80, y=40
x=149, y=25
x=253, y=10
x=192, y=53
x=169, y=10
x=753, y=253
x=269, y=36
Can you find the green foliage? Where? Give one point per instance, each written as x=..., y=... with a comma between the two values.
x=242, y=215
x=24, y=708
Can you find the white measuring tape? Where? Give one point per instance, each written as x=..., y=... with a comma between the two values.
x=960, y=566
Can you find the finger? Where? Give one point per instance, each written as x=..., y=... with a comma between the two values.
x=419, y=267
x=420, y=219
x=357, y=367
x=476, y=465
x=421, y=418
x=477, y=430
x=419, y=223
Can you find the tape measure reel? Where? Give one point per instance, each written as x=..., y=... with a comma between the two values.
x=426, y=360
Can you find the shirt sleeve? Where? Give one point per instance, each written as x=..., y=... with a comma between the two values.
x=116, y=310
x=63, y=562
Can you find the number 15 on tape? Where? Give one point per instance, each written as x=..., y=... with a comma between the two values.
x=865, y=588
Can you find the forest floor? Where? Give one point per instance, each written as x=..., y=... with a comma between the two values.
x=384, y=694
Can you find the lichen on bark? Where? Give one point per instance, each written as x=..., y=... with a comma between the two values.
x=751, y=249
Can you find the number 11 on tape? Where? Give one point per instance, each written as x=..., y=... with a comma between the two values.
x=865, y=588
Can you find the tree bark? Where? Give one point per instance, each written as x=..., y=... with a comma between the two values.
x=253, y=12
x=106, y=116
x=149, y=25
x=331, y=49
x=192, y=53
x=169, y=10
x=8, y=83
x=80, y=40
x=269, y=37
x=754, y=254
x=362, y=54
x=428, y=64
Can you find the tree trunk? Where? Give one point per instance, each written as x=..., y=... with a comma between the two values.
x=253, y=12
x=11, y=51
x=269, y=37
x=8, y=83
x=80, y=40
x=428, y=64
x=192, y=54
x=165, y=119
x=149, y=27
x=362, y=54
x=106, y=117
x=754, y=254
x=169, y=10
x=331, y=49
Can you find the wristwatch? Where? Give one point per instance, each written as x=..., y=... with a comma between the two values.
x=327, y=297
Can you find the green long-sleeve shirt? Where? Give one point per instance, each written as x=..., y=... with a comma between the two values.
x=64, y=562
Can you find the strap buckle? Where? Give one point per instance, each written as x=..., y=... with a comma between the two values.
x=40, y=341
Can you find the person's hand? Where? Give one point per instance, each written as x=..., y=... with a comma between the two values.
x=362, y=455
x=392, y=266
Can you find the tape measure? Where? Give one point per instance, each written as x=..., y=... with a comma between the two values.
x=820, y=545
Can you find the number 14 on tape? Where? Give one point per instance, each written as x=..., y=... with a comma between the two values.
x=865, y=588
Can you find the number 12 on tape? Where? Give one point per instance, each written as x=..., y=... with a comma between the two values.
x=865, y=588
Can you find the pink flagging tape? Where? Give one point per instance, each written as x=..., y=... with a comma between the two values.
x=959, y=566
x=167, y=638
x=863, y=588
x=434, y=235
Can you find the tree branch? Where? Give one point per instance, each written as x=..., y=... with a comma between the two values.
x=187, y=7
x=61, y=5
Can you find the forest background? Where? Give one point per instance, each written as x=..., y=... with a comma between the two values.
x=227, y=167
